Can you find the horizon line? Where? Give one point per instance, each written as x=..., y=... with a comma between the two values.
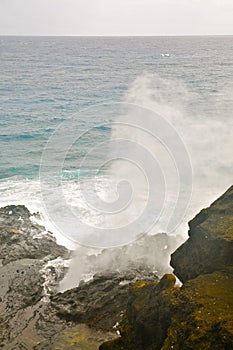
x=112, y=35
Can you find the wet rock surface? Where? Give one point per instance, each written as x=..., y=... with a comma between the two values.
x=22, y=238
x=197, y=316
x=26, y=252
x=33, y=315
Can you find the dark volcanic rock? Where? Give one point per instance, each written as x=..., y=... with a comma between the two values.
x=99, y=303
x=26, y=250
x=199, y=315
x=210, y=244
x=21, y=238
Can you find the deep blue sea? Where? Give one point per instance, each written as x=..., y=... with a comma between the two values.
x=47, y=80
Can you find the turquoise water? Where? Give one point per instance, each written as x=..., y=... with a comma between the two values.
x=46, y=80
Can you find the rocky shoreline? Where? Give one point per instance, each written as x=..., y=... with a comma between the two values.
x=33, y=315
x=129, y=307
x=27, y=254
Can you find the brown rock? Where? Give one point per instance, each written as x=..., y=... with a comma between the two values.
x=198, y=316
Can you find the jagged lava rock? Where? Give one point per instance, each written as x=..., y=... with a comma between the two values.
x=148, y=316
x=100, y=303
x=210, y=244
x=162, y=316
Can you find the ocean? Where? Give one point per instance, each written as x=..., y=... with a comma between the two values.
x=61, y=100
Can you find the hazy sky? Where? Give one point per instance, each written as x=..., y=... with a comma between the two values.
x=116, y=17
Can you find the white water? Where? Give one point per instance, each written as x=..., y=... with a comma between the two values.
x=209, y=142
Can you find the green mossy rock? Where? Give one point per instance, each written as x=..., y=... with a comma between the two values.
x=199, y=315
x=207, y=303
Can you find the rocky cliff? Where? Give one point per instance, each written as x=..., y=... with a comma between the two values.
x=210, y=244
x=199, y=315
